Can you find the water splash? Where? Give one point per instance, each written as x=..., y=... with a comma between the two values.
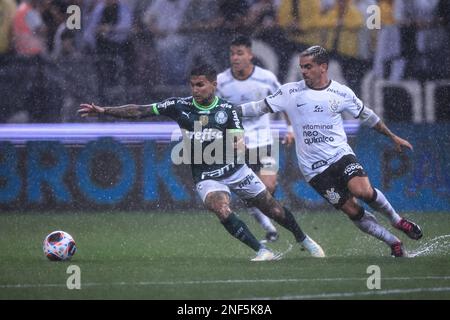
x=438, y=245
x=279, y=255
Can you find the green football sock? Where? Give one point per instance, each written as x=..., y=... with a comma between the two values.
x=238, y=229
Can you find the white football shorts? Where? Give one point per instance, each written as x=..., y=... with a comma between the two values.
x=244, y=183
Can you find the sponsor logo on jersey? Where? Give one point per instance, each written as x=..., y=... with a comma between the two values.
x=332, y=196
x=293, y=90
x=339, y=93
x=226, y=105
x=319, y=164
x=313, y=136
x=318, y=127
x=236, y=120
x=167, y=103
x=184, y=101
x=246, y=181
x=357, y=103
x=205, y=135
x=218, y=172
x=352, y=168
x=318, y=108
x=221, y=117
x=277, y=93
x=300, y=105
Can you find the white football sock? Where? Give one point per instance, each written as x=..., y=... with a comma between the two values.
x=262, y=219
x=369, y=224
x=382, y=205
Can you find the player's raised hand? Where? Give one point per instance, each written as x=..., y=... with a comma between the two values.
x=399, y=143
x=87, y=110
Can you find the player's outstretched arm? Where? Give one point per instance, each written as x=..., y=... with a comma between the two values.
x=129, y=111
x=399, y=142
x=254, y=108
x=87, y=110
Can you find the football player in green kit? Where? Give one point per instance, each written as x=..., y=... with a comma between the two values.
x=213, y=129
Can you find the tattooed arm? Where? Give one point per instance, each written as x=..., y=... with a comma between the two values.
x=129, y=111
x=399, y=142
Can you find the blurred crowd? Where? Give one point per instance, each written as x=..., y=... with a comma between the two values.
x=140, y=51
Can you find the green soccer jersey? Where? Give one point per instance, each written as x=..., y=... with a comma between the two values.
x=209, y=135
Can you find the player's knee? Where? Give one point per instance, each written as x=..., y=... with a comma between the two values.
x=218, y=205
x=364, y=193
x=277, y=212
x=356, y=213
x=351, y=208
x=266, y=203
x=222, y=214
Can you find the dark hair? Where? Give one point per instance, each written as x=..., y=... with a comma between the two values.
x=241, y=40
x=204, y=70
x=320, y=54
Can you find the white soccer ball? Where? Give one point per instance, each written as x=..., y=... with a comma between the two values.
x=59, y=246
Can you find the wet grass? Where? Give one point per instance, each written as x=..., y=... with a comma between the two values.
x=191, y=256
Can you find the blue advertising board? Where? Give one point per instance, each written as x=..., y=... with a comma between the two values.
x=111, y=173
x=412, y=181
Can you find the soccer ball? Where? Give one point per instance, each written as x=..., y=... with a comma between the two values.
x=59, y=246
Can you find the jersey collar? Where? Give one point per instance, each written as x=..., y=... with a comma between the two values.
x=319, y=89
x=204, y=108
x=251, y=73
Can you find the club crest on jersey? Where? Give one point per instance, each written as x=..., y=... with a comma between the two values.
x=332, y=196
x=204, y=120
x=334, y=105
x=221, y=117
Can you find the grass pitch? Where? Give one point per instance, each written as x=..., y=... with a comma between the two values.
x=191, y=256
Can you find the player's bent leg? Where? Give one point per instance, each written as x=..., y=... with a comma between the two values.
x=271, y=232
x=367, y=223
x=362, y=189
x=381, y=204
x=219, y=203
x=282, y=215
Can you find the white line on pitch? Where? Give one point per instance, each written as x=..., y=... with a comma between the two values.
x=354, y=294
x=206, y=282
